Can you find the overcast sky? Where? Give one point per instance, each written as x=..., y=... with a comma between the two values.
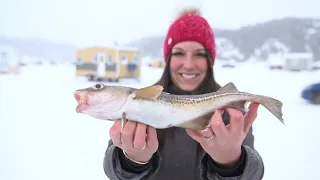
x=101, y=22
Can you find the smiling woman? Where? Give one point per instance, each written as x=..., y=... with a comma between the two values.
x=223, y=150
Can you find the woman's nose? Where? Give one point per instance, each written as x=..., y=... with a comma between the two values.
x=188, y=63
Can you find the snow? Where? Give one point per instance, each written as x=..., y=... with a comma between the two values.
x=272, y=42
x=227, y=50
x=42, y=137
x=311, y=31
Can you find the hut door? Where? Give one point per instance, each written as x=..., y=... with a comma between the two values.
x=3, y=61
x=101, y=64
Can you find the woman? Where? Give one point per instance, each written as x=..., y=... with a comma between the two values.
x=222, y=151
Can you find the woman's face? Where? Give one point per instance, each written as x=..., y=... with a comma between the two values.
x=188, y=65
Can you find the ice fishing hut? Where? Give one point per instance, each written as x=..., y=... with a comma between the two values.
x=298, y=61
x=110, y=63
x=9, y=59
x=157, y=63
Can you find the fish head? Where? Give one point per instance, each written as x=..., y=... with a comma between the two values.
x=101, y=101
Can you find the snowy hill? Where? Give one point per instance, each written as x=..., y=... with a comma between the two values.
x=41, y=49
x=257, y=41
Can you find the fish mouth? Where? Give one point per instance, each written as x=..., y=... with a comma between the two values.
x=82, y=100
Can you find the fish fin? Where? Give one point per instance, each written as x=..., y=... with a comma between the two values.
x=228, y=88
x=231, y=88
x=149, y=92
x=123, y=120
x=273, y=105
x=198, y=123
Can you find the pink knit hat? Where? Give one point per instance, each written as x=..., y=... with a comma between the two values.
x=190, y=26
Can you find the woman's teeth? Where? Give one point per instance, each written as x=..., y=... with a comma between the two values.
x=187, y=76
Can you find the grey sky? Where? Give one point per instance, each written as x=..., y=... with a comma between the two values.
x=101, y=22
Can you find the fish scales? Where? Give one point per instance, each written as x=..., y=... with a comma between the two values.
x=162, y=111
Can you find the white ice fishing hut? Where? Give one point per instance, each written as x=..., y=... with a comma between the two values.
x=110, y=63
x=9, y=59
x=298, y=61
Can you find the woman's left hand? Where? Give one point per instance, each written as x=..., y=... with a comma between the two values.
x=223, y=143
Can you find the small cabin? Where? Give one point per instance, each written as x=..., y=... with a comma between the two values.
x=298, y=61
x=276, y=61
x=9, y=60
x=111, y=63
x=157, y=63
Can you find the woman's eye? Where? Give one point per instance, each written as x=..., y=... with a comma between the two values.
x=201, y=54
x=177, y=54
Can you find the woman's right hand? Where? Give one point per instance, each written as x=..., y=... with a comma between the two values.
x=137, y=140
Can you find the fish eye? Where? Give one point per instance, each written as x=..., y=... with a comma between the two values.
x=98, y=86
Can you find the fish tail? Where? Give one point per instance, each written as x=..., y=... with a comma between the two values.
x=240, y=100
x=273, y=105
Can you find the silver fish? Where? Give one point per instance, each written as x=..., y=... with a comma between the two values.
x=151, y=106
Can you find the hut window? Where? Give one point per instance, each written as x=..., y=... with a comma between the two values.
x=124, y=59
x=109, y=60
x=4, y=55
x=135, y=59
x=295, y=62
x=79, y=61
x=3, y=59
x=94, y=61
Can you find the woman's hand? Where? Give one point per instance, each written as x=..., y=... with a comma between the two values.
x=223, y=143
x=138, y=140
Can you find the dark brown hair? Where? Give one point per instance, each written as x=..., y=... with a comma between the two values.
x=208, y=85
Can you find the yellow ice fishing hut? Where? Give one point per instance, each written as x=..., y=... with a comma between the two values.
x=157, y=63
x=108, y=63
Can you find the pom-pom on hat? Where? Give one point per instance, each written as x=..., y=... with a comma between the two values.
x=190, y=26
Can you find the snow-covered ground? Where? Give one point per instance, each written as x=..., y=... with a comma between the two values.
x=42, y=137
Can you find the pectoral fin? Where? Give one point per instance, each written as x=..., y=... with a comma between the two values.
x=150, y=92
x=199, y=123
x=123, y=120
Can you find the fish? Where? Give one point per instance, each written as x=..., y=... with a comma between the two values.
x=154, y=107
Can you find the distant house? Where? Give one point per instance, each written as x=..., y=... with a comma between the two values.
x=9, y=59
x=111, y=63
x=298, y=61
x=276, y=61
x=157, y=63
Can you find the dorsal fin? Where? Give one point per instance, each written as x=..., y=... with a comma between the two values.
x=149, y=92
x=231, y=88
x=228, y=88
